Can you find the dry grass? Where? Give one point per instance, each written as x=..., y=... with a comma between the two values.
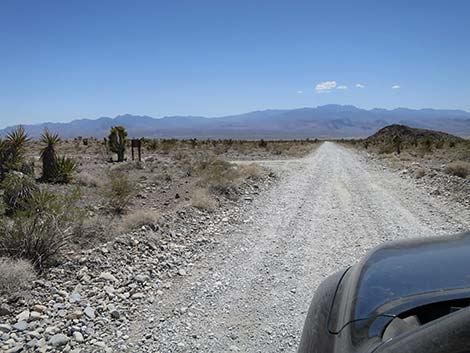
x=420, y=172
x=119, y=191
x=93, y=230
x=460, y=169
x=203, y=200
x=253, y=171
x=139, y=218
x=86, y=179
x=221, y=177
x=16, y=276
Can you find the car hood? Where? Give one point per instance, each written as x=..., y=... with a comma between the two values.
x=402, y=271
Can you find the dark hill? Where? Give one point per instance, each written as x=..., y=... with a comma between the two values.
x=409, y=135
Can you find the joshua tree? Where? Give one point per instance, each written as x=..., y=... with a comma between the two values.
x=12, y=151
x=117, y=141
x=48, y=155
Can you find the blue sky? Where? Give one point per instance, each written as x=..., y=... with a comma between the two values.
x=61, y=60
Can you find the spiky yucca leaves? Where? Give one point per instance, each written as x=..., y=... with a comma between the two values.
x=49, y=156
x=43, y=229
x=117, y=141
x=12, y=151
x=18, y=190
x=65, y=169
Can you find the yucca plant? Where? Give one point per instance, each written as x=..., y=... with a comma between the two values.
x=12, y=151
x=18, y=190
x=49, y=155
x=65, y=168
x=42, y=229
x=117, y=141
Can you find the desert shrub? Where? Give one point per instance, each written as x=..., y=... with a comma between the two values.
x=139, y=218
x=16, y=276
x=419, y=173
x=43, y=229
x=93, y=230
x=386, y=149
x=253, y=171
x=18, y=188
x=460, y=169
x=262, y=144
x=203, y=200
x=216, y=174
x=152, y=145
x=426, y=145
x=86, y=179
x=118, y=191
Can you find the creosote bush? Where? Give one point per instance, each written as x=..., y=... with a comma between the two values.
x=86, y=179
x=460, y=169
x=203, y=200
x=16, y=276
x=118, y=191
x=251, y=171
x=139, y=218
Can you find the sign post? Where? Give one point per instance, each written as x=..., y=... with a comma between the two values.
x=137, y=143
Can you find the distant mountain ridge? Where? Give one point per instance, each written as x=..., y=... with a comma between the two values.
x=327, y=121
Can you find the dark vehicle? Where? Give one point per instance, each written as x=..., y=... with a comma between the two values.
x=403, y=297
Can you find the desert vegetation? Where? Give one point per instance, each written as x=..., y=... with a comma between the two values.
x=80, y=219
x=59, y=196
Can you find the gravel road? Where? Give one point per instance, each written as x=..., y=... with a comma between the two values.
x=251, y=292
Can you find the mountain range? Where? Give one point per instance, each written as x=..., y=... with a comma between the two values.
x=328, y=121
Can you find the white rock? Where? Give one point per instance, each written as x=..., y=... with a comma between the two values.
x=90, y=312
x=77, y=336
x=107, y=276
x=23, y=316
x=59, y=339
x=138, y=295
x=5, y=328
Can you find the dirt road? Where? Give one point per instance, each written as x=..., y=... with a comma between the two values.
x=251, y=293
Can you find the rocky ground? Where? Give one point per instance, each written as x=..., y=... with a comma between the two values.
x=236, y=280
x=428, y=174
x=87, y=303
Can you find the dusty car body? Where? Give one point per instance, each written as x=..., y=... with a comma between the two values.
x=405, y=296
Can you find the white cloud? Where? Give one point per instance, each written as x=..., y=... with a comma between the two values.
x=359, y=85
x=325, y=87
x=396, y=87
x=300, y=92
x=342, y=87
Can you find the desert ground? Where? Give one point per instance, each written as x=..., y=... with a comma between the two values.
x=218, y=246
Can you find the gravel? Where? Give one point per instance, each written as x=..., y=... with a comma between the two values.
x=238, y=280
x=252, y=292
